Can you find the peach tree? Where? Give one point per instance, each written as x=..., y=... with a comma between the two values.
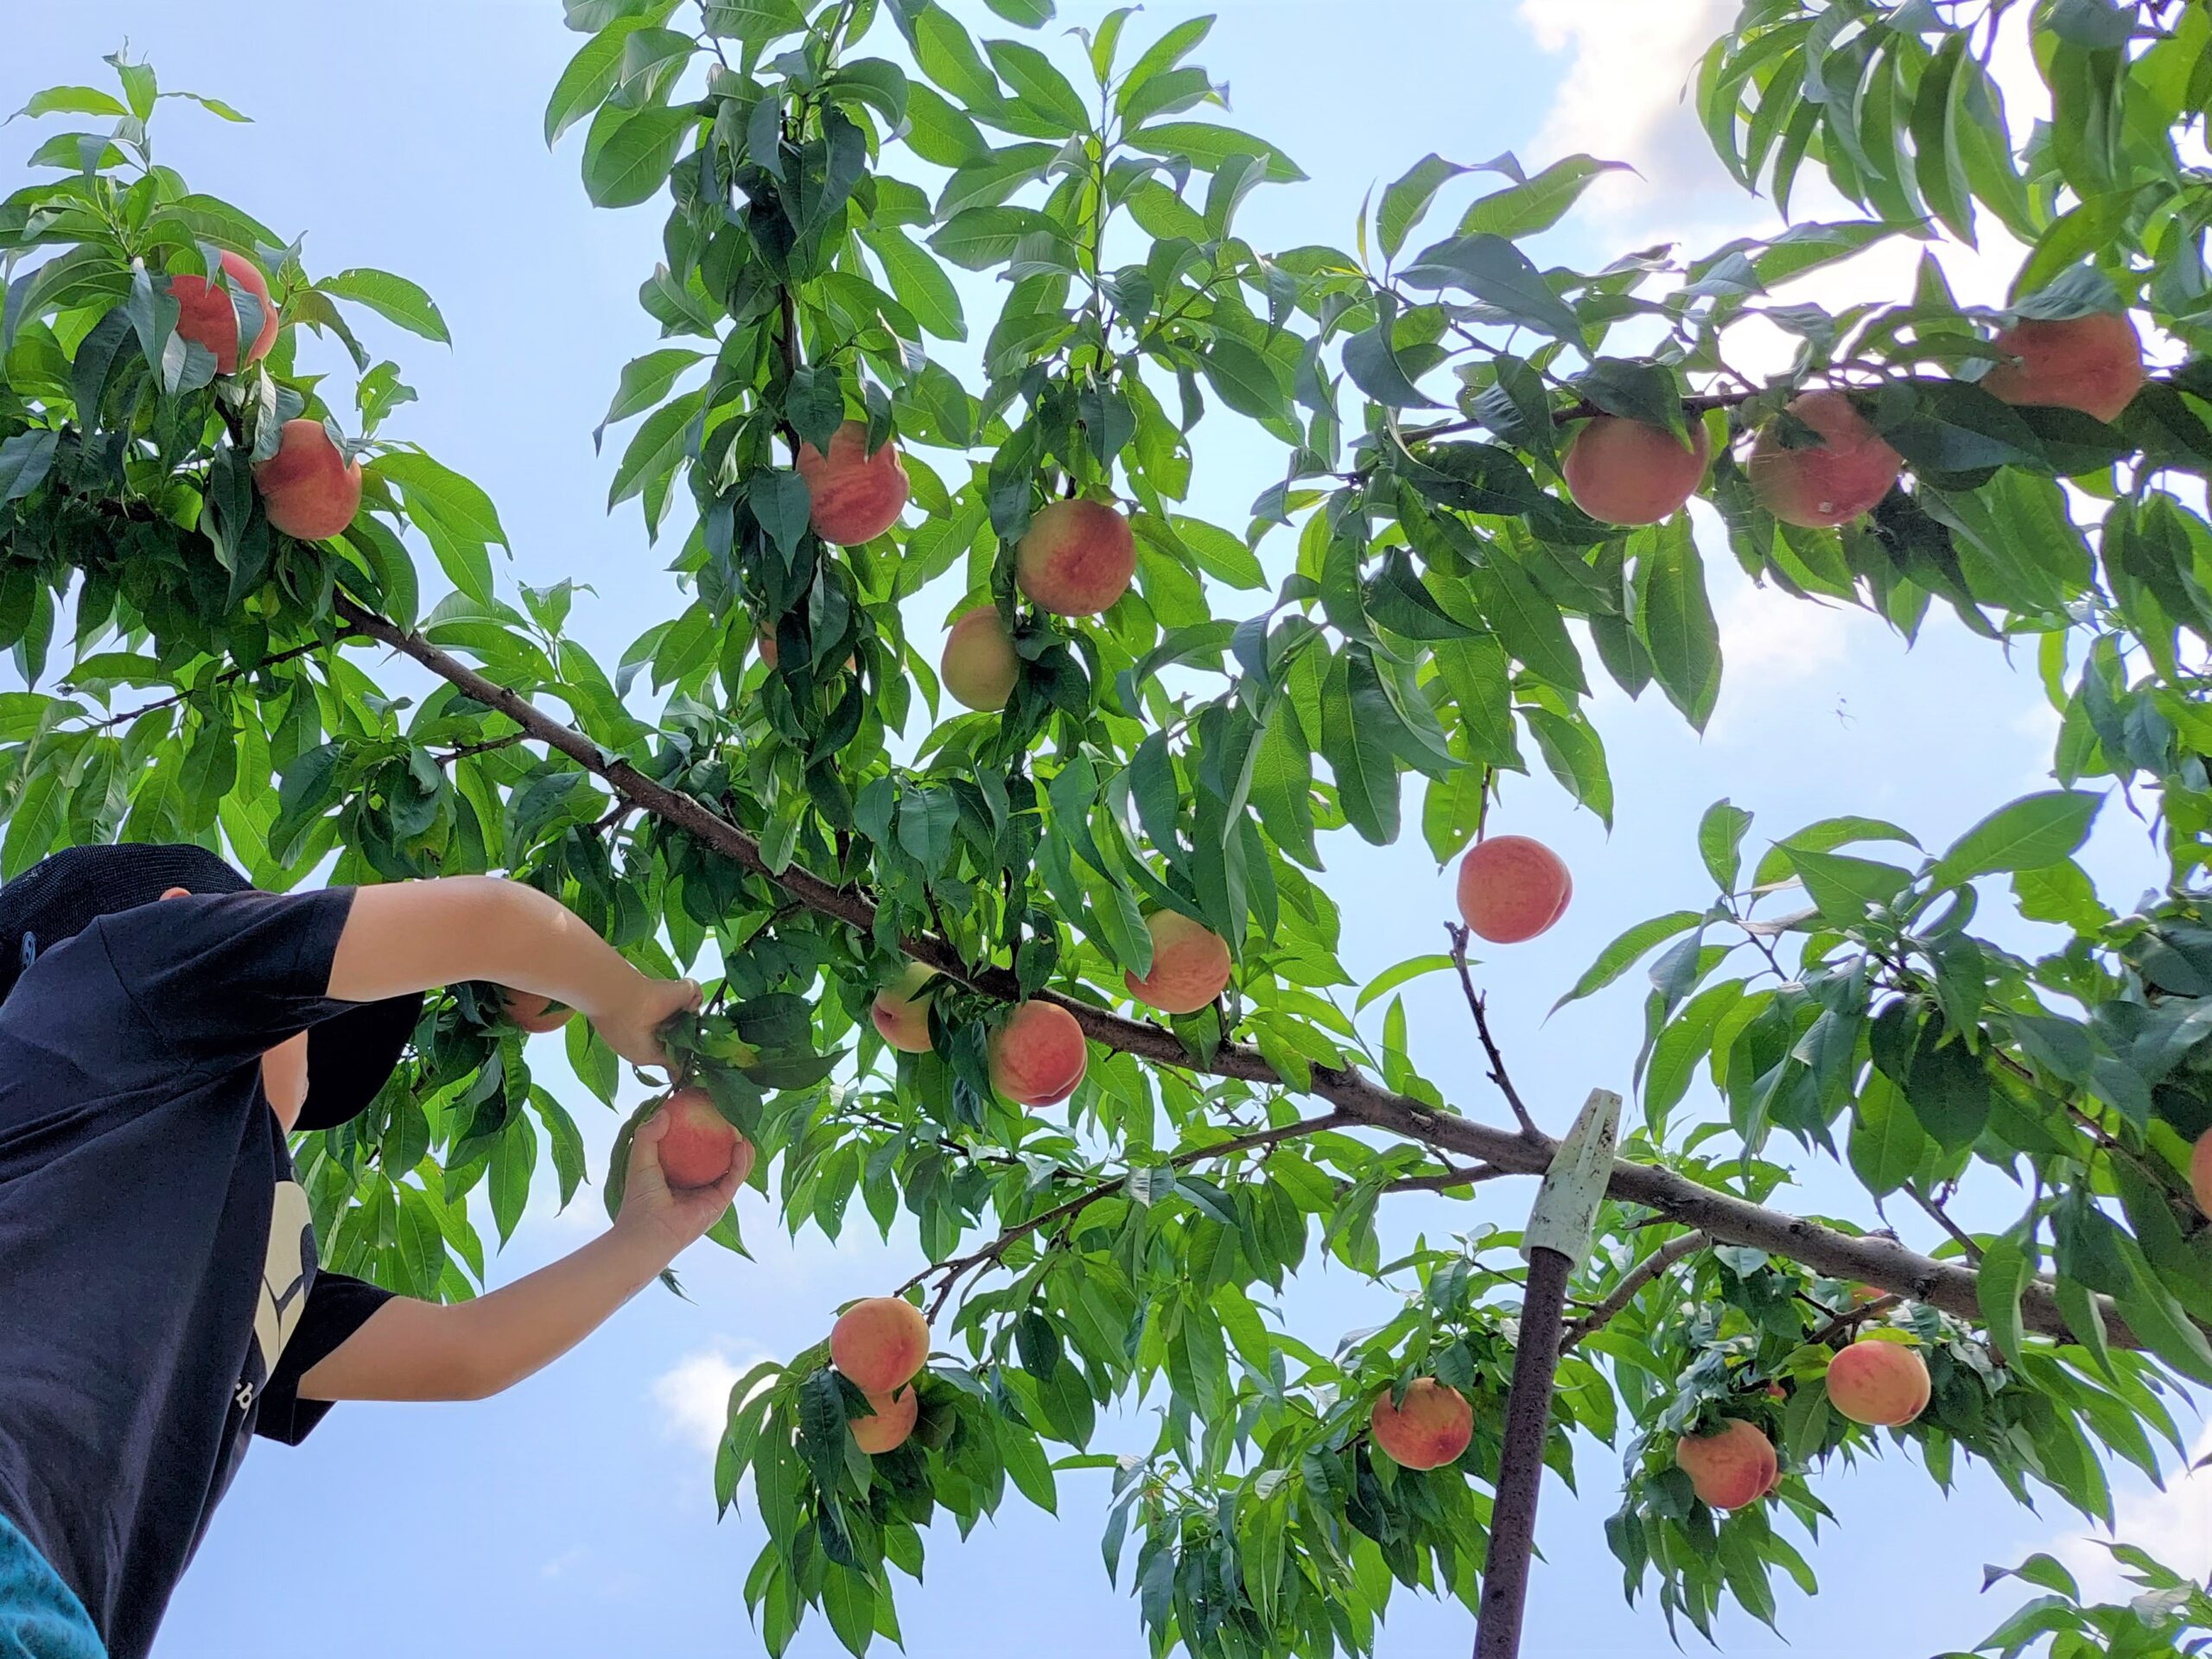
x=1022, y=943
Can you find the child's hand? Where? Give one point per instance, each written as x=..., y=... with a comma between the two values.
x=632, y=1029
x=672, y=1218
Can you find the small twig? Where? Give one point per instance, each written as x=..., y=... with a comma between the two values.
x=1447, y=1179
x=223, y=678
x=485, y=747
x=1936, y=1214
x=1477, y=1006
x=1068, y=1210
x=1853, y=1319
x=1667, y=1255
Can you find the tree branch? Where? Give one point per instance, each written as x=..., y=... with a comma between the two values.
x=1666, y=1256
x=1480, y=1009
x=1882, y=1262
x=1938, y=1214
x=1448, y=1178
x=223, y=678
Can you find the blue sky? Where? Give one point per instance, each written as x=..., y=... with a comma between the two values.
x=574, y=1514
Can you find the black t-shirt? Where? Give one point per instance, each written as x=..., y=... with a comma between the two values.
x=159, y=1300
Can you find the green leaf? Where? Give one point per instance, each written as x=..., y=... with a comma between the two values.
x=628, y=155
x=1043, y=88
x=1675, y=620
x=917, y=282
x=1357, y=723
x=74, y=100
x=1406, y=201
x=1207, y=146
x=1498, y=273
x=1538, y=203
x=459, y=501
x=1820, y=837
x=2005, y=1273
x=645, y=381
x=2029, y=834
x=392, y=297
x=1246, y=378
x=656, y=448
x=753, y=21
x=1527, y=625
x=592, y=73
x=1399, y=974
x=1843, y=888
x=1623, y=952
x=1720, y=840
x=1887, y=1145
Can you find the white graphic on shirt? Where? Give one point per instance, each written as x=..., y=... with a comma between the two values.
x=285, y=1275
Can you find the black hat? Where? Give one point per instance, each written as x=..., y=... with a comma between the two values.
x=350, y=1055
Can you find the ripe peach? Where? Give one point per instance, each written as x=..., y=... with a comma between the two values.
x=902, y=1013
x=534, y=1013
x=1512, y=888
x=1077, y=559
x=2200, y=1171
x=1734, y=1465
x=1626, y=472
x=880, y=1343
x=980, y=667
x=857, y=496
x=1833, y=484
x=1038, y=1056
x=1190, y=965
x=1431, y=1428
x=886, y=1431
x=206, y=316
x=700, y=1145
x=2093, y=364
x=307, y=487
x=1879, y=1383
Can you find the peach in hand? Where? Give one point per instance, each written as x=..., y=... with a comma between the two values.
x=702, y=1147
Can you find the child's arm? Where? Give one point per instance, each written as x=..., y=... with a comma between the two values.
x=411, y=936
x=409, y=1350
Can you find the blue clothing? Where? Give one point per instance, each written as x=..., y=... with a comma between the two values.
x=39, y=1617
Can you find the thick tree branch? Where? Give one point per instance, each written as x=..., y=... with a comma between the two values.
x=1882, y=1262
x=1674, y=1250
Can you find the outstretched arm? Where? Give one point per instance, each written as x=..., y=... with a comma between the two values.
x=411, y=936
x=409, y=1350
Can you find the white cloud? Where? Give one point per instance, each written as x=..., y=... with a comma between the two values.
x=2174, y=1527
x=694, y=1393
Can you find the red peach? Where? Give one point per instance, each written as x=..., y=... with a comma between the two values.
x=1850, y=471
x=1624, y=471
x=1431, y=1428
x=880, y=1343
x=308, y=488
x=1037, y=1058
x=857, y=496
x=1512, y=888
x=1077, y=559
x=206, y=316
x=700, y=1147
x=1190, y=965
x=1881, y=1382
x=902, y=1013
x=1733, y=1466
x=534, y=1013
x=891, y=1422
x=2200, y=1171
x=2093, y=364
x=980, y=667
